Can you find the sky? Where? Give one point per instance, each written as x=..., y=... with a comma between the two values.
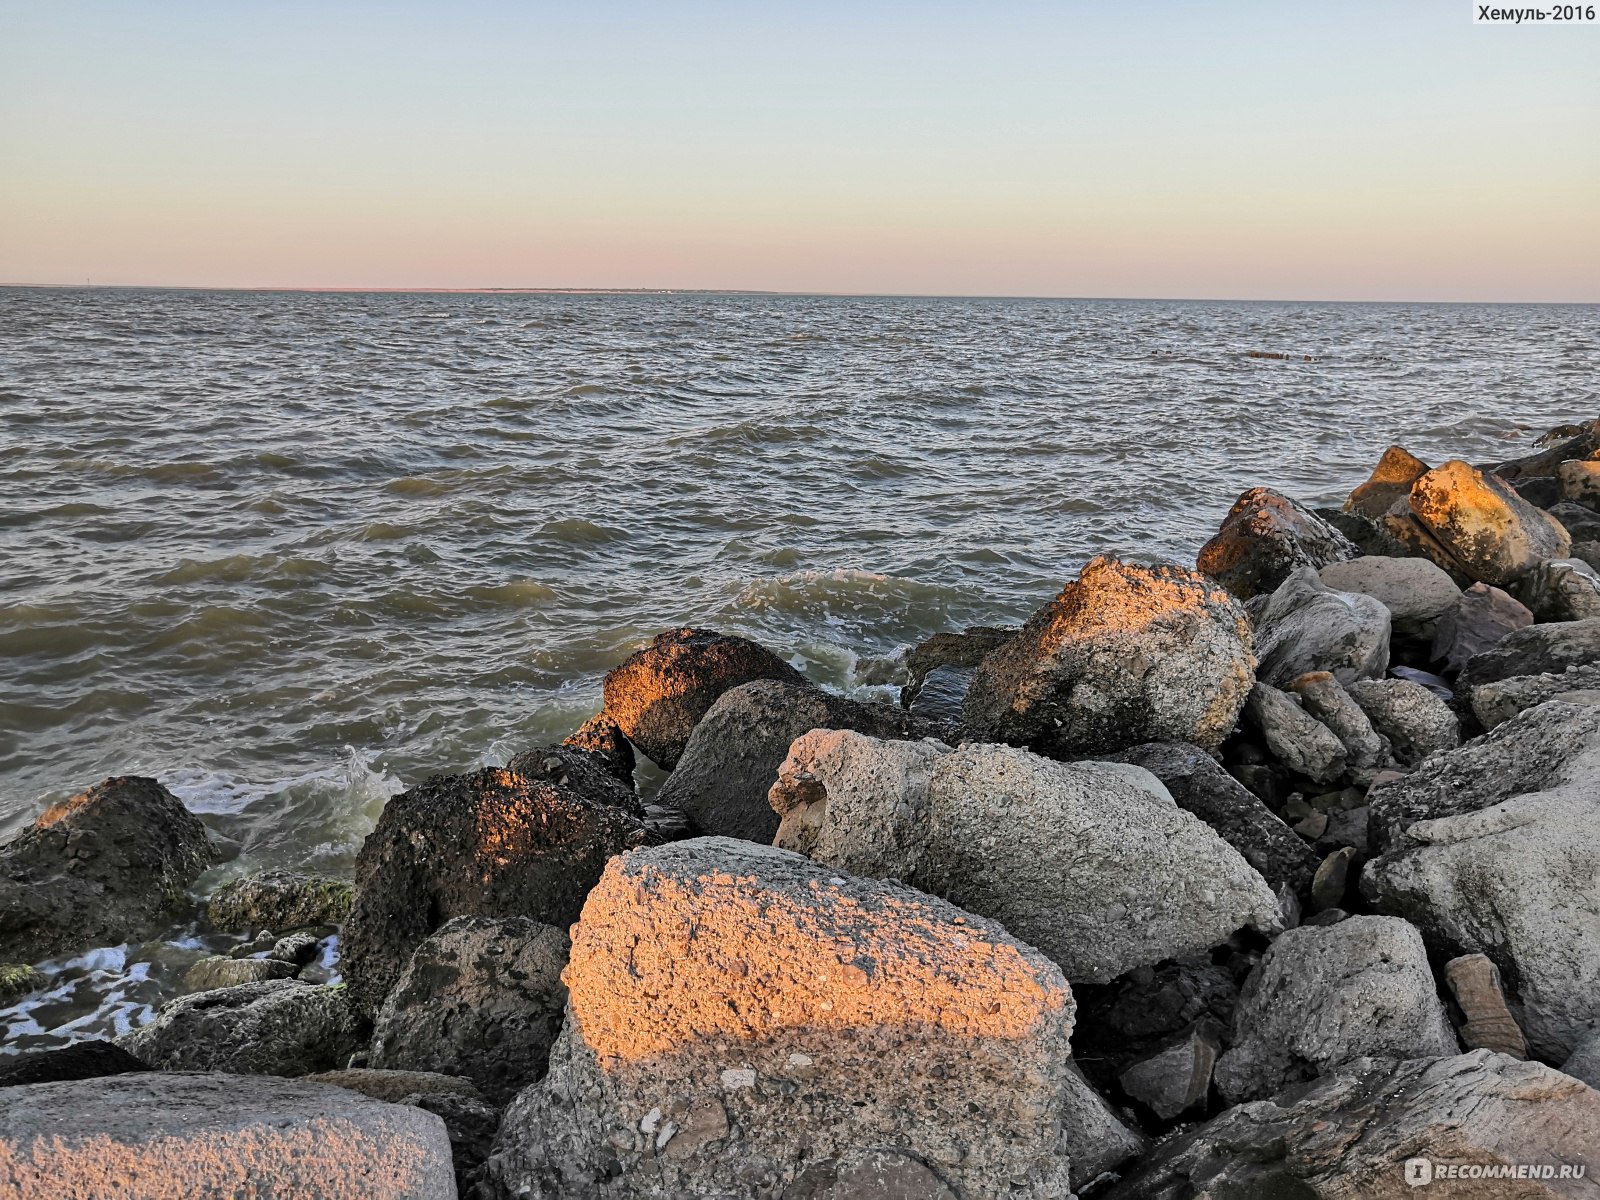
x=1281, y=150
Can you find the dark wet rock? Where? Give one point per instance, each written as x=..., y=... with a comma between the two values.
x=603, y=737
x=1331, y=883
x=1488, y=1023
x=112, y=864
x=471, y=1123
x=1537, y=749
x=732, y=760
x=578, y=772
x=1350, y=1132
x=1488, y=531
x=1497, y=702
x=1414, y=590
x=1297, y=739
x=660, y=693
x=1390, y=483
x=166, y=1135
x=296, y=948
x=1366, y=534
x=481, y=998
x=1305, y=626
x=1126, y=654
x=1557, y=446
x=281, y=900
x=1581, y=523
x=279, y=1027
x=1268, y=782
x=942, y=666
x=1541, y=491
x=1479, y=620
x=1366, y=750
x=1147, y=1010
x=1322, y=996
x=490, y=844
x=1535, y=650
x=1265, y=537
x=80, y=1060
x=1436, y=684
x=1413, y=720
x=1177, y=1079
x=1200, y=785
x=220, y=971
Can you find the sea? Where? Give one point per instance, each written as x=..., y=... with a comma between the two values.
x=293, y=552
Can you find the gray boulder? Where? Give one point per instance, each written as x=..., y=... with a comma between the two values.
x=1414, y=721
x=1177, y=1079
x=1322, y=996
x=732, y=758
x=1414, y=590
x=745, y=1022
x=1497, y=702
x=1519, y=882
x=1584, y=1061
x=1295, y=738
x=1264, y=537
x=1562, y=589
x=1350, y=1133
x=1125, y=654
x=1304, y=627
x=1198, y=784
x=480, y=998
x=658, y=695
x=279, y=900
x=1535, y=650
x=110, y=865
x=1366, y=750
x=1480, y=619
x=277, y=1027
x=148, y=1136
x=1093, y=863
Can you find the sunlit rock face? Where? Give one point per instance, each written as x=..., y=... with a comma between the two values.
x=109, y=865
x=489, y=844
x=1125, y=654
x=1265, y=536
x=742, y=1021
x=1489, y=532
x=659, y=694
x=1390, y=481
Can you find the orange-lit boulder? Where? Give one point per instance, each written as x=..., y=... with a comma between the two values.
x=1125, y=654
x=110, y=865
x=489, y=844
x=743, y=1022
x=1265, y=536
x=1389, y=483
x=1489, y=531
x=660, y=693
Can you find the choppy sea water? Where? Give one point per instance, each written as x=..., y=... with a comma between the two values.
x=292, y=552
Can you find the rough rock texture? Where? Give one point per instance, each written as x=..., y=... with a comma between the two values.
x=1125, y=654
x=1414, y=590
x=733, y=756
x=1390, y=482
x=1296, y=739
x=80, y=1060
x=1264, y=537
x=603, y=737
x=480, y=998
x=745, y=1022
x=1584, y=1061
x=1323, y=996
x=1414, y=721
x=1540, y=748
x=1535, y=650
x=1092, y=863
x=219, y=971
x=1479, y=620
x=393, y=1087
x=1348, y=1135
x=659, y=694
x=490, y=844
x=1579, y=481
x=169, y=1136
x=1488, y=1023
x=1492, y=533
x=945, y=663
x=1172, y=1081
x=279, y=900
x=1559, y=445
x=280, y=1027
x=1304, y=626
x=1520, y=882
x=578, y=772
x=1199, y=784
x=110, y=865
x=1562, y=589
x=1366, y=751
x=1497, y=702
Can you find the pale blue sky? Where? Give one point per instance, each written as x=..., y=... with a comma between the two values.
x=1339, y=150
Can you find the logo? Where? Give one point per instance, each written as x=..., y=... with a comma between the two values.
x=1419, y=1172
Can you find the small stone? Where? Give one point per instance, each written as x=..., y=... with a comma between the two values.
x=1475, y=983
x=1313, y=826
x=1329, y=884
x=297, y=948
x=735, y=1078
x=1178, y=1078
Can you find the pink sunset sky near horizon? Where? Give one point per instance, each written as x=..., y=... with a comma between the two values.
x=1225, y=150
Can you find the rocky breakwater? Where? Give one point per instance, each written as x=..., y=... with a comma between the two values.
x=1251, y=879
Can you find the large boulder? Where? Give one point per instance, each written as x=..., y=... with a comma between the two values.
x=1323, y=995
x=1305, y=626
x=1378, y=1129
x=112, y=864
x=658, y=695
x=1489, y=532
x=1389, y=484
x=1520, y=882
x=481, y=998
x=1544, y=747
x=277, y=1027
x=1497, y=702
x=1562, y=589
x=278, y=899
x=1125, y=654
x=1480, y=619
x=745, y=1022
x=1197, y=782
x=153, y=1136
x=1414, y=590
x=1535, y=650
x=1093, y=863
x=489, y=844
x=733, y=756
x=1414, y=721
x=1264, y=537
